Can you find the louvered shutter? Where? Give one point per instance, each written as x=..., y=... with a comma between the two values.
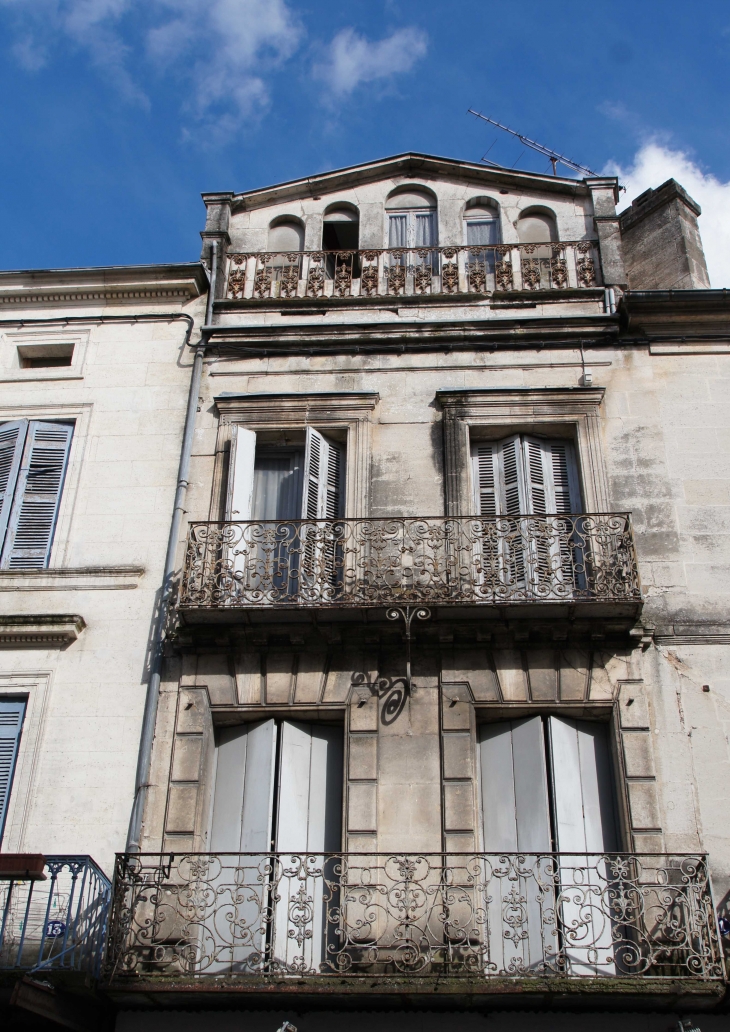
x=512, y=499
x=484, y=477
x=37, y=496
x=11, y=724
x=12, y=441
x=240, y=474
x=323, y=478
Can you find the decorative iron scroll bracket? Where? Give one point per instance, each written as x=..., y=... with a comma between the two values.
x=408, y=613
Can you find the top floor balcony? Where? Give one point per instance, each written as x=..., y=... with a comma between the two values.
x=457, y=270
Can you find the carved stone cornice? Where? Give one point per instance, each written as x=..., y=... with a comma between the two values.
x=102, y=286
x=44, y=630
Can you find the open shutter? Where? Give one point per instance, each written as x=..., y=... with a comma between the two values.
x=322, y=497
x=244, y=789
x=37, y=496
x=484, y=479
x=241, y=473
x=11, y=723
x=582, y=790
x=12, y=441
x=514, y=787
x=512, y=500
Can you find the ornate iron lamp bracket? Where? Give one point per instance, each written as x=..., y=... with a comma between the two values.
x=408, y=613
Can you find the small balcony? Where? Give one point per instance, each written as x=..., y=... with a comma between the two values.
x=379, y=923
x=587, y=561
x=54, y=914
x=414, y=272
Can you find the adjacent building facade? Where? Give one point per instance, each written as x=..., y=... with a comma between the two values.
x=437, y=714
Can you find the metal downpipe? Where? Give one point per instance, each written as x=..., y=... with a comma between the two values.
x=149, y=719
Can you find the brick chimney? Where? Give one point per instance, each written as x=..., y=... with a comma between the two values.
x=661, y=241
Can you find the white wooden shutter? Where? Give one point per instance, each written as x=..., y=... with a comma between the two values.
x=516, y=819
x=244, y=789
x=12, y=441
x=484, y=479
x=512, y=496
x=515, y=804
x=11, y=724
x=322, y=497
x=582, y=789
x=37, y=496
x=551, y=477
x=241, y=474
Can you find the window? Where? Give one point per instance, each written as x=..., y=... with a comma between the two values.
x=537, y=227
x=482, y=225
x=412, y=222
x=302, y=479
x=524, y=475
x=11, y=724
x=546, y=786
x=45, y=356
x=278, y=787
x=341, y=232
x=33, y=461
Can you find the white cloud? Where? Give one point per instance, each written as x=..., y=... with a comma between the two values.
x=653, y=164
x=223, y=47
x=352, y=59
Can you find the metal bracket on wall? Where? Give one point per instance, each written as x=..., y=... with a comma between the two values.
x=408, y=613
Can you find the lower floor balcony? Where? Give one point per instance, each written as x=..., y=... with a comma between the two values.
x=305, y=923
x=585, y=560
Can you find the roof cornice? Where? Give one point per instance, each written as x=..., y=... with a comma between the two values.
x=412, y=165
x=120, y=284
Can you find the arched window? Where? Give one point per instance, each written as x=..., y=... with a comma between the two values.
x=481, y=222
x=537, y=227
x=286, y=235
x=341, y=233
x=412, y=218
x=341, y=228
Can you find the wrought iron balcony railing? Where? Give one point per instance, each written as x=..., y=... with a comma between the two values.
x=58, y=921
x=479, y=915
x=405, y=272
x=398, y=560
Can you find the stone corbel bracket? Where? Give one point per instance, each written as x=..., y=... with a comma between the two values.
x=40, y=631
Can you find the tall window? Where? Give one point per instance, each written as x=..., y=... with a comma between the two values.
x=33, y=461
x=341, y=233
x=524, y=475
x=278, y=788
x=482, y=225
x=11, y=724
x=412, y=222
x=300, y=480
x=546, y=786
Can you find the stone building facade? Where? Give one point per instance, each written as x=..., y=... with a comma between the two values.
x=441, y=730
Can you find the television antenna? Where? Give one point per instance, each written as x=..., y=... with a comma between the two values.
x=555, y=158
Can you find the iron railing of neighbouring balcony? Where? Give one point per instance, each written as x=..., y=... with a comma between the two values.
x=403, y=272
x=428, y=560
x=57, y=922
x=480, y=915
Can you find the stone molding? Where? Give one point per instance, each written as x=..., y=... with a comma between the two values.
x=513, y=407
x=82, y=578
x=331, y=410
x=40, y=630
x=126, y=284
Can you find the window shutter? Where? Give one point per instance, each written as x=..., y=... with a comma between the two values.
x=484, y=479
x=582, y=790
x=309, y=817
x=37, y=496
x=12, y=441
x=322, y=497
x=565, y=484
x=11, y=723
x=241, y=474
x=511, y=481
x=514, y=787
x=244, y=789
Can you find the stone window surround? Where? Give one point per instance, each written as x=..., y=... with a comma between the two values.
x=34, y=687
x=325, y=410
x=37, y=336
x=512, y=407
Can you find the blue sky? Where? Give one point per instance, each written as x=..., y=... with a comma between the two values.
x=123, y=111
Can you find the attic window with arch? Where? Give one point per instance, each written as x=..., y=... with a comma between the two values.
x=537, y=227
x=341, y=233
x=412, y=219
x=481, y=223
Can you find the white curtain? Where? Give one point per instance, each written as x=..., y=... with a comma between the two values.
x=426, y=229
x=398, y=231
x=484, y=233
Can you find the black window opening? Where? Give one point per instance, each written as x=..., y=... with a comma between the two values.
x=341, y=241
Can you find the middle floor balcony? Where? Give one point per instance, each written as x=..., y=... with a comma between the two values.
x=586, y=561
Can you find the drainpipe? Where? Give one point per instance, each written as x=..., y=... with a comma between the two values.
x=149, y=720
